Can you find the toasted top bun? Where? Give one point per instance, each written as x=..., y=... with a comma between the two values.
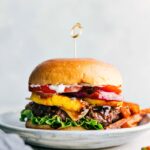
x=70, y=71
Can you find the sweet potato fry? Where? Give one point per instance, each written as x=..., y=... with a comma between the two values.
x=145, y=111
x=144, y=120
x=126, y=122
x=134, y=108
x=125, y=111
x=126, y=125
x=132, y=121
x=117, y=124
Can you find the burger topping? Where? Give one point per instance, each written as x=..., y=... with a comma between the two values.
x=111, y=88
x=104, y=114
x=61, y=88
x=97, y=102
x=51, y=89
x=65, y=88
x=77, y=115
x=41, y=89
x=98, y=115
x=57, y=88
x=105, y=92
x=60, y=101
x=74, y=107
x=56, y=121
x=42, y=110
x=95, y=93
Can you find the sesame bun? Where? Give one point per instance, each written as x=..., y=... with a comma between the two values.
x=70, y=71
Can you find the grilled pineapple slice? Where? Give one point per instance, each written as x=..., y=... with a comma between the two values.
x=98, y=102
x=63, y=102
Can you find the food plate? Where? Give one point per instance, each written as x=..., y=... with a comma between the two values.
x=10, y=123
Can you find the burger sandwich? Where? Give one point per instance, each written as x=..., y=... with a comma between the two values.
x=78, y=94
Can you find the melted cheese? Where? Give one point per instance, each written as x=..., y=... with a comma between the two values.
x=75, y=115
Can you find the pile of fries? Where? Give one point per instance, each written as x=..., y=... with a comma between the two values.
x=132, y=115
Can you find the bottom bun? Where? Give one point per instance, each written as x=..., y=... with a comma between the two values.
x=29, y=124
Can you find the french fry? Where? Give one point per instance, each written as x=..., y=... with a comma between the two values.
x=145, y=111
x=117, y=124
x=134, y=108
x=129, y=120
x=125, y=111
x=126, y=122
x=132, y=121
x=144, y=120
x=126, y=125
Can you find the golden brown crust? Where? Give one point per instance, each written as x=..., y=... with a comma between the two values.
x=71, y=71
x=47, y=127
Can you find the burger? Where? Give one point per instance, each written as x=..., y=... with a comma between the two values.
x=77, y=94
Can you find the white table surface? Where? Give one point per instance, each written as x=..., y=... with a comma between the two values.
x=135, y=144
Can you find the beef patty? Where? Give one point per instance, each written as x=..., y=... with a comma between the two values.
x=103, y=114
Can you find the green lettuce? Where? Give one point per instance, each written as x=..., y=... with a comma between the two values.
x=56, y=121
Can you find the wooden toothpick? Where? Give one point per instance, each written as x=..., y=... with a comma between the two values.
x=76, y=31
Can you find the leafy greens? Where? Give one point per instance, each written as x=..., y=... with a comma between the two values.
x=56, y=121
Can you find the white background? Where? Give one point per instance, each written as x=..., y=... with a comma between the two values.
x=116, y=31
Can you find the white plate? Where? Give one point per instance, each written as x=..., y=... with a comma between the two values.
x=9, y=122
